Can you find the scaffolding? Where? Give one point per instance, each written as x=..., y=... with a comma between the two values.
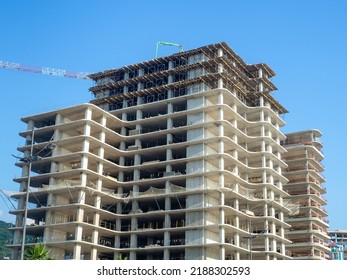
x=238, y=77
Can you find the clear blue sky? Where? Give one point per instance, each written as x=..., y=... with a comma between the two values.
x=304, y=42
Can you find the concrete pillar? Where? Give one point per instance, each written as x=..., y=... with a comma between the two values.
x=266, y=239
x=265, y=195
x=81, y=195
x=166, y=243
x=220, y=98
x=18, y=235
x=125, y=88
x=274, y=243
x=95, y=234
x=220, y=70
x=170, y=93
x=79, y=229
x=220, y=114
x=260, y=86
x=221, y=222
x=132, y=255
x=118, y=224
x=97, y=200
x=167, y=221
x=283, y=248
x=220, y=82
x=169, y=156
x=170, y=77
x=59, y=119
x=139, y=84
x=88, y=114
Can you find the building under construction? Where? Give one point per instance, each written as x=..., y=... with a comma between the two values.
x=179, y=157
x=309, y=226
x=338, y=244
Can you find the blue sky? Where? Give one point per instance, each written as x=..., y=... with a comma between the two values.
x=304, y=42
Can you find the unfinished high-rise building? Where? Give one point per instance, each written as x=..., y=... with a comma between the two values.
x=309, y=227
x=178, y=157
x=338, y=244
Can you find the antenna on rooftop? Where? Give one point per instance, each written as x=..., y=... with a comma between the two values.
x=167, y=44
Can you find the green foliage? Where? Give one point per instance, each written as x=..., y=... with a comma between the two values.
x=121, y=258
x=5, y=237
x=37, y=252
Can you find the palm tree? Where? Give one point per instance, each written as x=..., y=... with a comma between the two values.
x=121, y=257
x=37, y=252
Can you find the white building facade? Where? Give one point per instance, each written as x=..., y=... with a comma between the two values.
x=309, y=225
x=179, y=157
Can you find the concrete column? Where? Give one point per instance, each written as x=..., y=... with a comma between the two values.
x=88, y=114
x=220, y=68
x=18, y=235
x=122, y=148
x=283, y=248
x=170, y=109
x=170, y=93
x=220, y=80
x=59, y=119
x=97, y=200
x=79, y=229
x=166, y=243
x=221, y=221
x=132, y=255
x=220, y=98
x=261, y=103
x=170, y=80
x=77, y=247
x=139, y=84
x=134, y=220
x=118, y=224
x=266, y=239
x=265, y=194
x=260, y=85
x=220, y=114
x=221, y=131
x=220, y=83
x=84, y=159
x=169, y=123
x=261, y=118
x=274, y=243
x=221, y=165
x=167, y=221
x=263, y=146
x=236, y=223
x=95, y=234
x=125, y=88
x=81, y=194
x=169, y=157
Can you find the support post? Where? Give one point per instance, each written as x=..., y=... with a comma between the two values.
x=27, y=196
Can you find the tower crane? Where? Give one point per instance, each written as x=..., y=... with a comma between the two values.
x=67, y=73
x=45, y=70
x=161, y=43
